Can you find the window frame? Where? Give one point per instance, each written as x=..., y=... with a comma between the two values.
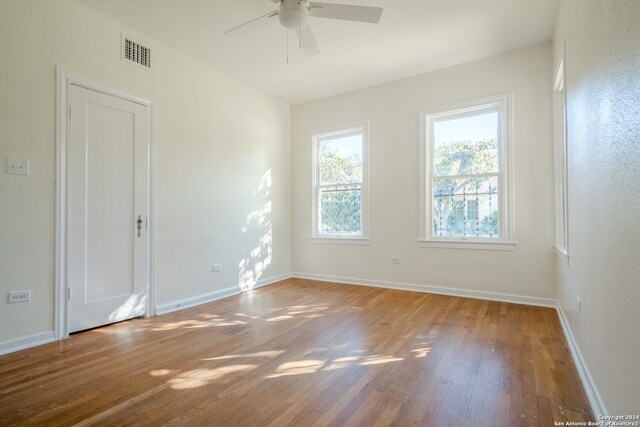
x=560, y=161
x=361, y=127
x=503, y=104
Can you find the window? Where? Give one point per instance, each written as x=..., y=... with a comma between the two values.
x=466, y=175
x=340, y=191
x=560, y=161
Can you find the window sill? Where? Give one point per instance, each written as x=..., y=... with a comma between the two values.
x=339, y=240
x=562, y=251
x=457, y=244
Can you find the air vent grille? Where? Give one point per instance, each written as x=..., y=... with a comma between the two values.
x=137, y=53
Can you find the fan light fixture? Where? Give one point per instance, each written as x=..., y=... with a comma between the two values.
x=293, y=14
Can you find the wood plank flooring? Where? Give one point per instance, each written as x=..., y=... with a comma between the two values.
x=305, y=353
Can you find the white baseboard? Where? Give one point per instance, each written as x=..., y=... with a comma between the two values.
x=26, y=342
x=595, y=399
x=457, y=292
x=213, y=296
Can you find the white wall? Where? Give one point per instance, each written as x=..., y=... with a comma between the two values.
x=222, y=152
x=392, y=111
x=603, y=116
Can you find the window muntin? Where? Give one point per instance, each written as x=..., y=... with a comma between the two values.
x=466, y=197
x=339, y=190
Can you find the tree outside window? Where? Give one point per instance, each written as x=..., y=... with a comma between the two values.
x=339, y=183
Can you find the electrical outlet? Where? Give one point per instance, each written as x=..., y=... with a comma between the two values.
x=17, y=166
x=216, y=268
x=19, y=296
x=579, y=304
x=395, y=260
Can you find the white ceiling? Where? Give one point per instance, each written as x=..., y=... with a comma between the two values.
x=413, y=37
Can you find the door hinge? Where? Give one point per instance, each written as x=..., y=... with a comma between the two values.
x=68, y=293
x=69, y=111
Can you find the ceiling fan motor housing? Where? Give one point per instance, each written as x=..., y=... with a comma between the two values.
x=293, y=14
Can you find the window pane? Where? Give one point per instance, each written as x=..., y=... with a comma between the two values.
x=467, y=145
x=340, y=159
x=340, y=210
x=465, y=207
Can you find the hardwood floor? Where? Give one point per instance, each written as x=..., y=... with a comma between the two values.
x=306, y=353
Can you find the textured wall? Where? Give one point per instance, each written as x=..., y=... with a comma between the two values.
x=603, y=104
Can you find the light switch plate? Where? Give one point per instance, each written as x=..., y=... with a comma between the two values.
x=17, y=166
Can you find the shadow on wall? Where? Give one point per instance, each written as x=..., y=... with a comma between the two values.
x=258, y=228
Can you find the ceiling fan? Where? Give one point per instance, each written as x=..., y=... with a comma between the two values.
x=294, y=15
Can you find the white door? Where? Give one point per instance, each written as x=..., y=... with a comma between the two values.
x=108, y=164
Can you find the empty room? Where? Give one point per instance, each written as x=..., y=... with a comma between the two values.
x=301, y=213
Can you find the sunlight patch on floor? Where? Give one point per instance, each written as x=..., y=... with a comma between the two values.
x=421, y=352
x=202, y=377
x=315, y=350
x=299, y=311
x=278, y=318
x=297, y=368
x=346, y=359
x=192, y=323
x=272, y=353
x=247, y=316
x=378, y=360
x=161, y=372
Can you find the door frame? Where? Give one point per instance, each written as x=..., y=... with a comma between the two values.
x=64, y=80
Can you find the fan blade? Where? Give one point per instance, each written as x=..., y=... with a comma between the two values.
x=248, y=26
x=346, y=12
x=308, y=41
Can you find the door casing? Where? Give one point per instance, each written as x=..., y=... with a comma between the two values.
x=64, y=80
